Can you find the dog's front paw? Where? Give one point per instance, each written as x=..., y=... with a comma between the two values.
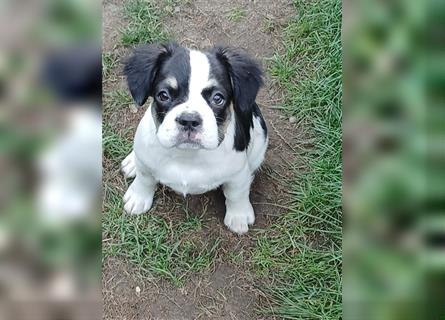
x=128, y=166
x=239, y=222
x=137, y=203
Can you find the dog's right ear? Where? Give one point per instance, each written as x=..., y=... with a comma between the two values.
x=141, y=69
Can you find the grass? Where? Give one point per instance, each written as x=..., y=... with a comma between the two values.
x=268, y=25
x=115, y=146
x=109, y=63
x=156, y=246
x=302, y=252
x=236, y=14
x=117, y=99
x=144, y=22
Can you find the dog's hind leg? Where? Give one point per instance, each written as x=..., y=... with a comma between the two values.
x=128, y=166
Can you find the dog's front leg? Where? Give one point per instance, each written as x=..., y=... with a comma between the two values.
x=139, y=196
x=128, y=166
x=239, y=211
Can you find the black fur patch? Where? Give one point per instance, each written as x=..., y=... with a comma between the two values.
x=219, y=73
x=142, y=68
x=149, y=67
x=246, y=79
x=74, y=74
x=178, y=67
x=257, y=114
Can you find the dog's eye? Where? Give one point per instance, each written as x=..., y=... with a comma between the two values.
x=218, y=99
x=163, y=96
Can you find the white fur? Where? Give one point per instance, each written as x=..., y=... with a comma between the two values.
x=128, y=166
x=194, y=171
x=70, y=168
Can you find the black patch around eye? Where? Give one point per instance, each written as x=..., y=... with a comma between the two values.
x=218, y=99
x=161, y=111
x=173, y=94
x=220, y=111
x=207, y=93
x=210, y=93
x=162, y=106
x=163, y=96
x=220, y=115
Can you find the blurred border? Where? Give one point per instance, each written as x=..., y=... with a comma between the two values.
x=50, y=159
x=394, y=235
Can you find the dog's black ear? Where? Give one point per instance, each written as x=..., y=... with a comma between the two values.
x=246, y=77
x=142, y=67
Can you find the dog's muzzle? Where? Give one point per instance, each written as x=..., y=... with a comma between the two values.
x=190, y=125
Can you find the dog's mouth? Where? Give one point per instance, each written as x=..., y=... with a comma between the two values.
x=188, y=139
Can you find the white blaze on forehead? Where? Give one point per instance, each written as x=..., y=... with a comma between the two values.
x=169, y=131
x=199, y=72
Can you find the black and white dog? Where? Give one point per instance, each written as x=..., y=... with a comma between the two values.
x=202, y=130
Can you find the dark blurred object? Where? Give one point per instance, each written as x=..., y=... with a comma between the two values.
x=75, y=74
x=394, y=254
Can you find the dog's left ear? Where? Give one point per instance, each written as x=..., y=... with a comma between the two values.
x=246, y=77
x=142, y=67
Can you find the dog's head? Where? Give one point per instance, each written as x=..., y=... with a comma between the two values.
x=195, y=93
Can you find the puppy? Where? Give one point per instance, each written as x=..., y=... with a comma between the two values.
x=202, y=130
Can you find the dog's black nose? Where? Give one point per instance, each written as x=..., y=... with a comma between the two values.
x=189, y=120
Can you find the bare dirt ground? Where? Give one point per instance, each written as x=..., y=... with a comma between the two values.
x=229, y=291
x=223, y=293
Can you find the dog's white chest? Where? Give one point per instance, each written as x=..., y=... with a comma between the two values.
x=193, y=177
x=186, y=179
